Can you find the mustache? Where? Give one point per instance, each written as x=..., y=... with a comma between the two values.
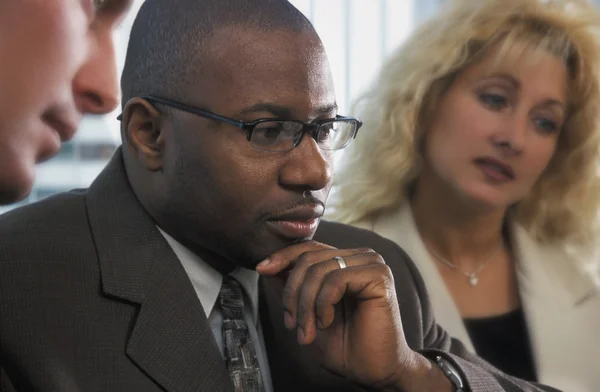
x=307, y=201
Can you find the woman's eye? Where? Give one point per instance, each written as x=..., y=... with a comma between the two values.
x=493, y=101
x=546, y=125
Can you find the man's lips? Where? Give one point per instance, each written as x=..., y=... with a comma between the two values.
x=63, y=121
x=298, y=222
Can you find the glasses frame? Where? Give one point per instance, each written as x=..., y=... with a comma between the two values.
x=248, y=126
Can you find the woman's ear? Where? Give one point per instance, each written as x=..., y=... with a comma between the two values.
x=142, y=133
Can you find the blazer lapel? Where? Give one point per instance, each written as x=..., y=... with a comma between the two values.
x=399, y=226
x=561, y=308
x=293, y=367
x=171, y=339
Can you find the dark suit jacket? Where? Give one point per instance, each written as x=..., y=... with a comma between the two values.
x=92, y=298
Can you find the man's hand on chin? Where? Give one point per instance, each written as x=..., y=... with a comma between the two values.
x=343, y=303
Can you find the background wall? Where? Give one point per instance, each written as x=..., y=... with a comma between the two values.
x=358, y=34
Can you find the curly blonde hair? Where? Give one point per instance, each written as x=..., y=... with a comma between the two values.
x=384, y=161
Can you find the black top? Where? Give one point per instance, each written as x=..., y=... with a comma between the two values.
x=503, y=341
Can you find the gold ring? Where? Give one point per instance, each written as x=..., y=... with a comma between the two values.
x=341, y=262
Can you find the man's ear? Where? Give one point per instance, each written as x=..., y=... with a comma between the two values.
x=142, y=133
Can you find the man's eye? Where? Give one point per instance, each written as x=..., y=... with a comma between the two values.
x=271, y=129
x=270, y=133
x=326, y=133
x=267, y=133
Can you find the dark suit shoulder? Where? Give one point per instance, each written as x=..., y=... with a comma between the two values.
x=45, y=229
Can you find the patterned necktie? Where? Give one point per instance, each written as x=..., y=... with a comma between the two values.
x=240, y=354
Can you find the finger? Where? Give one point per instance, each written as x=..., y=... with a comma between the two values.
x=297, y=274
x=370, y=285
x=310, y=287
x=284, y=258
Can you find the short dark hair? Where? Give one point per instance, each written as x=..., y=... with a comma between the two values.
x=170, y=38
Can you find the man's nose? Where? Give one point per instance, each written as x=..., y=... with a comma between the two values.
x=95, y=87
x=308, y=167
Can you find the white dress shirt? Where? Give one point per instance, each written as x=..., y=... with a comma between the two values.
x=207, y=284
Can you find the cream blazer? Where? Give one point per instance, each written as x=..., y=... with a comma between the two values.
x=562, y=308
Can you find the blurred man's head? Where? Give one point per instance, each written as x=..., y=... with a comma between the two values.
x=58, y=62
x=200, y=78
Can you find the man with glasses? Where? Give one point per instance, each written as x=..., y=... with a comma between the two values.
x=269, y=134
x=57, y=63
x=192, y=263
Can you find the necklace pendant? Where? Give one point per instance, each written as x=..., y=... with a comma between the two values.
x=473, y=280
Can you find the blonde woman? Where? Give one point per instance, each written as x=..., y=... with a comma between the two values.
x=479, y=156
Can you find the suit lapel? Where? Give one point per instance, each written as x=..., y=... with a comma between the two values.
x=171, y=340
x=293, y=367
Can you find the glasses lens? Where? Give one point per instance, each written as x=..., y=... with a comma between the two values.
x=276, y=135
x=335, y=135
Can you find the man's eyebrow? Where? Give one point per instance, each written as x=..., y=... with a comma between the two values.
x=276, y=110
x=283, y=111
x=333, y=108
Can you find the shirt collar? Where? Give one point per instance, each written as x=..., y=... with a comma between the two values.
x=207, y=281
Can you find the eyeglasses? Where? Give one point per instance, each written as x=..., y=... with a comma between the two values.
x=280, y=135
